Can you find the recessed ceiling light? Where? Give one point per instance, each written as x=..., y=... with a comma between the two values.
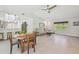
x=22, y=13
x=15, y=15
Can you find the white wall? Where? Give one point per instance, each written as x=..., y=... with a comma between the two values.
x=65, y=11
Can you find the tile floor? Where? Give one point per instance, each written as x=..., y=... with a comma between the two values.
x=54, y=44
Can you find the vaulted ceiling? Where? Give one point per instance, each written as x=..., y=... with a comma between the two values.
x=61, y=11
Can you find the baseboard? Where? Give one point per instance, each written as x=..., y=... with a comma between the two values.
x=2, y=39
x=68, y=35
x=40, y=34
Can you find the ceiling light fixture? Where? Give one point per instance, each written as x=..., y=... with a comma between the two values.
x=48, y=8
x=22, y=13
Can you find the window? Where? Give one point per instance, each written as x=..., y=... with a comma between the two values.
x=10, y=17
x=60, y=25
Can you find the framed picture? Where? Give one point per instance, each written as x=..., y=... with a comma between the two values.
x=76, y=23
x=1, y=36
x=41, y=25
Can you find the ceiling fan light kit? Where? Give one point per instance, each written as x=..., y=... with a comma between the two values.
x=48, y=11
x=48, y=8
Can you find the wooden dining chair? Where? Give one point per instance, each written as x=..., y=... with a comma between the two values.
x=28, y=43
x=12, y=43
x=35, y=36
x=31, y=41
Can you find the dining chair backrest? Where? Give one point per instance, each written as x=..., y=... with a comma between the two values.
x=9, y=37
x=28, y=42
x=35, y=35
x=32, y=37
x=12, y=41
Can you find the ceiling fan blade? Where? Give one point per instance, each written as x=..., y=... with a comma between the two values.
x=52, y=7
x=43, y=9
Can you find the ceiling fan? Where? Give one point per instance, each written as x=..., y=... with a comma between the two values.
x=48, y=8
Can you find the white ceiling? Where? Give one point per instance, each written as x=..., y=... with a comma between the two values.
x=61, y=11
x=18, y=9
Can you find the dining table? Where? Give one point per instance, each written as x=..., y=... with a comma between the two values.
x=26, y=41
